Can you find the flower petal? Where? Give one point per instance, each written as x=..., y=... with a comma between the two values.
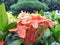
x=21, y=33
x=34, y=23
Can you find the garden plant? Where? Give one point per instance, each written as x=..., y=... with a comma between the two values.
x=29, y=28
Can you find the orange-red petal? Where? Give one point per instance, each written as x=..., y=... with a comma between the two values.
x=34, y=23
x=21, y=33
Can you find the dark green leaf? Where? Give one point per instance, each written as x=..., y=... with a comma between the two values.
x=2, y=34
x=57, y=34
x=41, y=12
x=12, y=25
x=58, y=19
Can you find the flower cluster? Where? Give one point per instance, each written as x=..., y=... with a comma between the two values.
x=28, y=24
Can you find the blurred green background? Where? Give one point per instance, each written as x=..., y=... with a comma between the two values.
x=31, y=5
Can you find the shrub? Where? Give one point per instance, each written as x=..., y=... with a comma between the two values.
x=29, y=6
x=8, y=3
x=27, y=0
x=52, y=4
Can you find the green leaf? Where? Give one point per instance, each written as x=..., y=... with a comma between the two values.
x=57, y=28
x=41, y=12
x=53, y=14
x=57, y=31
x=16, y=42
x=2, y=34
x=36, y=12
x=3, y=17
x=58, y=19
x=57, y=34
x=12, y=25
x=47, y=33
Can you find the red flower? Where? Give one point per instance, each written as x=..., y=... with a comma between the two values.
x=27, y=27
x=1, y=42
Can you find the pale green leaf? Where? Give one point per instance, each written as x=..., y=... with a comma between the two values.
x=16, y=42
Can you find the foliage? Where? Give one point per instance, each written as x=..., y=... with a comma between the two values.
x=16, y=42
x=52, y=34
x=3, y=17
x=4, y=23
x=12, y=39
x=58, y=18
x=57, y=31
x=34, y=29
x=53, y=4
x=26, y=0
x=41, y=12
x=8, y=3
x=29, y=6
